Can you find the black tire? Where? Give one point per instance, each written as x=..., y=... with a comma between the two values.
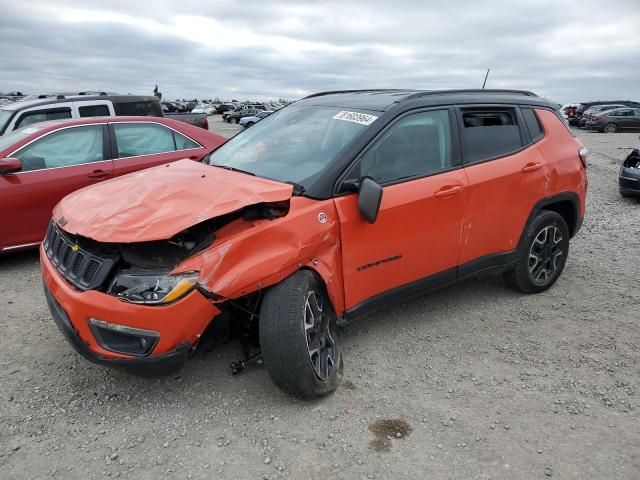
x=234, y=120
x=249, y=124
x=285, y=340
x=540, y=263
x=610, y=128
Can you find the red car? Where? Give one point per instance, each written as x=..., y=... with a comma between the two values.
x=42, y=163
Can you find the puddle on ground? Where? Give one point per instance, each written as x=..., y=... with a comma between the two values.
x=386, y=430
x=349, y=385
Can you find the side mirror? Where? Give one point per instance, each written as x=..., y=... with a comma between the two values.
x=10, y=165
x=369, y=199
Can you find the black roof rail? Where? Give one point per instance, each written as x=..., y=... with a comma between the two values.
x=411, y=94
x=373, y=90
x=471, y=91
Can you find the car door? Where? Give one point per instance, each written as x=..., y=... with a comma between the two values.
x=635, y=120
x=53, y=166
x=505, y=179
x=416, y=238
x=139, y=145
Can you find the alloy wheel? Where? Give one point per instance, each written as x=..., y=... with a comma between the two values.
x=320, y=342
x=545, y=255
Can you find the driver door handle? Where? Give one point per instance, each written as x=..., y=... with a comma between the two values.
x=531, y=167
x=98, y=174
x=448, y=191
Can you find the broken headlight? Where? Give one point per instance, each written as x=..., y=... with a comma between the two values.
x=152, y=289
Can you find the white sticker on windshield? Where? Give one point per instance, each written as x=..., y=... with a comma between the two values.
x=30, y=130
x=355, y=117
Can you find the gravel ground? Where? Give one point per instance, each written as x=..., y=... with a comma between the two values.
x=473, y=382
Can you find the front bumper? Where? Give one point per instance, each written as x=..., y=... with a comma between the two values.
x=179, y=324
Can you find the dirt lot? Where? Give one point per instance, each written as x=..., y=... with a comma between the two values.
x=491, y=384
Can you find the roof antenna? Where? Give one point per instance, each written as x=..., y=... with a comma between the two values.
x=485, y=78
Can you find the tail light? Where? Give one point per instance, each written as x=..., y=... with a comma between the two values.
x=583, y=153
x=205, y=124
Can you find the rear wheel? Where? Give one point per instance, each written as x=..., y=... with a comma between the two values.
x=610, y=128
x=234, y=120
x=542, y=254
x=298, y=337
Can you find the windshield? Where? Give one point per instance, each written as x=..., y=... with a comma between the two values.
x=15, y=136
x=5, y=115
x=294, y=144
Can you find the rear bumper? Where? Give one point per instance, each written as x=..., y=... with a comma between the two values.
x=629, y=181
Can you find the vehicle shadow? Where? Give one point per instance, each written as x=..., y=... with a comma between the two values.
x=18, y=260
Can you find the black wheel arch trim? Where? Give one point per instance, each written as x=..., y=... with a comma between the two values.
x=574, y=225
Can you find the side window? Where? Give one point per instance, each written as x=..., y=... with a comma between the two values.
x=138, y=109
x=415, y=146
x=71, y=146
x=29, y=118
x=142, y=139
x=489, y=133
x=183, y=143
x=94, y=111
x=533, y=124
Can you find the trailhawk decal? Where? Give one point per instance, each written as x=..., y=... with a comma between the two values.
x=379, y=262
x=355, y=117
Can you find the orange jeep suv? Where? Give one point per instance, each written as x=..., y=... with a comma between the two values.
x=334, y=206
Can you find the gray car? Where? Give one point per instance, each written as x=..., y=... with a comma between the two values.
x=615, y=120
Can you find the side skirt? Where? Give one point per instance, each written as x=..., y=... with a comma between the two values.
x=494, y=263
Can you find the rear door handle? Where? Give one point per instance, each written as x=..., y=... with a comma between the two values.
x=531, y=167
x=98, y=174
x=449, y=191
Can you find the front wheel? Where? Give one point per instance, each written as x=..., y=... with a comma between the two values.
x=610, y=128
x=541, y=255
x=234, y=120
x=298, y=338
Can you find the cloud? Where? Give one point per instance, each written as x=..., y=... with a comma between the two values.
x=568, y=51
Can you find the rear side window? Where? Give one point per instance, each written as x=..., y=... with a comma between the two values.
x=135, y=139
x=138, y=109
x=183, y=143
x=533, y=124
x=489, y=133
x=29, y=118
x=94, y=111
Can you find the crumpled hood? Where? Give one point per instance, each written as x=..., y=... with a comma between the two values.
x=158, y=203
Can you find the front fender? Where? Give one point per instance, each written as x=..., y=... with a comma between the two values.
x=271, y=250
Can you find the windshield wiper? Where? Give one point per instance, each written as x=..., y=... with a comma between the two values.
x=297, y=188
x=233, y=169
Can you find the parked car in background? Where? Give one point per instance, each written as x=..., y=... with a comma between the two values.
x=225, y=107
x=615, y=120
x=252, y=120
x=170, y=107
x=42, y=163
x=235, y=116
x=629, y=179
x=81, y=105
x=337, y=205
x=582, y=107
x=204, y=108
x=586, y=115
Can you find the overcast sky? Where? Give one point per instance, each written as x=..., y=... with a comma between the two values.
x=566, y=50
